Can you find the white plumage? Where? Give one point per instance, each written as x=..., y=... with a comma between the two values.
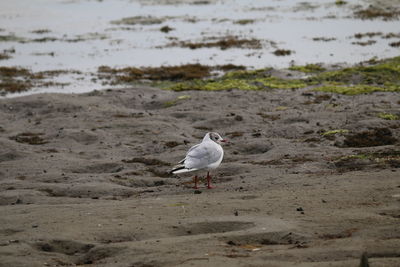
x=207, y=155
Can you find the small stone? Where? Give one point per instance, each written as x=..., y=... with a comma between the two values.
x=231, y=243
x=197, y=192
x=238, y=118
x=300, y=209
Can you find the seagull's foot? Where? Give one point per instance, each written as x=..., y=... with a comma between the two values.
x=209, y=181
x=195, y=180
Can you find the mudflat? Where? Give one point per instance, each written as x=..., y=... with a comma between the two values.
x=309, y=178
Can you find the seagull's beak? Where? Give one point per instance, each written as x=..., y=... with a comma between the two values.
x=224, y=141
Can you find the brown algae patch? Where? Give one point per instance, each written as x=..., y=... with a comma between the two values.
x=359, y=161
x=78, y=38
x=375, y=137
x=140, y=20
x=282, y=52
x=222, y=43
x=13, y=79
x=169, y=73
x=367, y=34
x=187, y=72
x=166, y=29
x=373, y=12
x=29, y=138
x=324, y=39
x=369, y=42
x=244, y=21
x=16, y=79
x=41, y=31
x=4, y=56
x=395, y=44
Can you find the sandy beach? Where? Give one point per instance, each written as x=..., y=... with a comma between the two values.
x=84, y=179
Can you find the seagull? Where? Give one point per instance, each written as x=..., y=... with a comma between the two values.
x=204, y=156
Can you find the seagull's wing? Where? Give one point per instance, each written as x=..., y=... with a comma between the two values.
x=202, y=155
x=190, y=149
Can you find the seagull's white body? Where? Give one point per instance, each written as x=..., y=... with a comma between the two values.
x=207, y=155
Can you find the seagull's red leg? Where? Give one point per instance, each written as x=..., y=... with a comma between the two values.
x=195, y=182
x=209, y=181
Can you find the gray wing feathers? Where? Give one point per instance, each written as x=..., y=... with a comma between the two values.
x=200, y=156
x=190, y=149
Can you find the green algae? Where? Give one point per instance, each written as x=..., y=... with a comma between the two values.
x=11, y=38
x=242, y=80
x=355, y=89
x=174, y=102
x=340, y=2
x=379, y=74
x=333, y=132
x=381, y=156
x=244, y=21
x=381, y=77
x=368, y=77
x=388, y=116
x=309, y=68
x=213, y=85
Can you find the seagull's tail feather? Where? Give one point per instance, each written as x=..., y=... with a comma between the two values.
x=180, y=169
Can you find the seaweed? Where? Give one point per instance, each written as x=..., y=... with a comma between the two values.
x=167, y=73
x=244, y=21
x=11, y=38
x=224, y=43
x=166, y=29
x=354, y=89
x=368, y=77
x=15, y=79
x=333, y=132
x=242, y=80
x=324, y=39
x=309, y=68
x=375, y=137
x=141, y=20
x=383, y=76
x=340, y=2
x=395, y=44
x=282, y=52
x=29, y=138
x=4, y=56
x=373, y=12
x=379, y=159
x=388, y=116
x=367, y=34
x=41, y=31
x=369, y=42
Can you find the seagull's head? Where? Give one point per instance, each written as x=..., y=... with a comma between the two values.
x=216, y=138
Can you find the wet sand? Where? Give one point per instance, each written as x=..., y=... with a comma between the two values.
x=308, y=178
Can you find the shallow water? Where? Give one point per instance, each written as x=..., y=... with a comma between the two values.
x=85, y=37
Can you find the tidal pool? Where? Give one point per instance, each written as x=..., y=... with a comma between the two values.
x=82, y=35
